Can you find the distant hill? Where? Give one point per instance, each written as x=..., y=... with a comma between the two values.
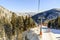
x=48, y=15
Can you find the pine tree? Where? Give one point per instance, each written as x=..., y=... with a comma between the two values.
x=6, y=27
x=20, y=23
x=13, y=22
x=25, y=23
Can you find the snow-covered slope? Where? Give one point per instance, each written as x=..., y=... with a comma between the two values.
x=33, y=34
x=56, y=33
x=48, y=15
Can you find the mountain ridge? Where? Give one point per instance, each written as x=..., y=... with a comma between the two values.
x=48, y=15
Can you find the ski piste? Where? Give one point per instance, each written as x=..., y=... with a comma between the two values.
x=34, y=34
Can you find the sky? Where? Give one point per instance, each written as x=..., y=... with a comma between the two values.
x=29, y=5
x=49, y=4
x=20, y=5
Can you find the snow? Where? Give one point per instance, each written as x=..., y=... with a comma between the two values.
x=56, y=33
x=33, y=34
x=48, y=36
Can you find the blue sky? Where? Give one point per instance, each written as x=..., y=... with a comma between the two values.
x=29, y=5
x=49, y=4
x=20, y=5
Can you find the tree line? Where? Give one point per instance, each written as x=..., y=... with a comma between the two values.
x=55, y=23
x=16, y=26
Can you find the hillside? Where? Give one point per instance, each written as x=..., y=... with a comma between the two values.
x=48, y=15
x=12, y=25
x=5, y=13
